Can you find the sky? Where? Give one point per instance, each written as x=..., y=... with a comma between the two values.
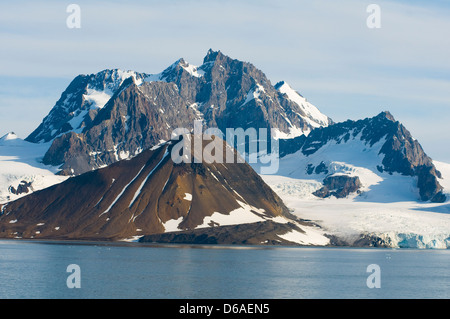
x=323, y=49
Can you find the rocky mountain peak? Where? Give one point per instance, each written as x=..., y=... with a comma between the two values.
x=391, y=144
x=386, y=115
x=212, y=56
x=9, y=136
x=281, y=84
x=80, y=103
x=104, y=117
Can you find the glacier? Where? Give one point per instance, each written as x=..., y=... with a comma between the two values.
x=388, y=208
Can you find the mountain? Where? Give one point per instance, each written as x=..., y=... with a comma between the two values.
x=366, y=182
x=80, y=103
x=379, y=144
x=112, y=115
x=152, y=194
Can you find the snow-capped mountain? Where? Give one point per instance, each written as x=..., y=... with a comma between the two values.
x=380, y=144
x=112, y=115
x=150, y=194
x=310, y=113
x=80, y=103
x=367, y=182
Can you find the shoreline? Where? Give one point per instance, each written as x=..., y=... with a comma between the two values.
x=121, y=243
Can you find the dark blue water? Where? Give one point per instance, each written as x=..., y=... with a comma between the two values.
x=39, y=270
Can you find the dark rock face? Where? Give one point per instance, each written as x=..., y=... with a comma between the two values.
x=260, y=233
x=402, y=153
x=369, y=130
x=127, y=125
x=145, y=109
x=339, y=186
x=23, y=188
x=137, y=197
x=370, y=240
x=321, y=168
x=76, y=102
x=429, y=187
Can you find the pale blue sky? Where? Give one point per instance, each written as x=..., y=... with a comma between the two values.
x=323, y=49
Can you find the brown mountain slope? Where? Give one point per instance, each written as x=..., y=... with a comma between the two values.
x=148, y=194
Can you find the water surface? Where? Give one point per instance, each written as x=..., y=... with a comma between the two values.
x=32, y=269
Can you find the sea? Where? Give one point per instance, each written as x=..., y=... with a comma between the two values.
x=97, y=270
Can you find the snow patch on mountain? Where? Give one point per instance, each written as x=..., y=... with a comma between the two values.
x=242, y=215
x=314, y=116
x=152, y=78
x=388, y=205
x=293, y=132
x=98, y=99
x=356, y=158
x=254, y=94
x=309, y=236
x=20, y=161
x=444, y=168
x=8, y=137
x=172, y=224
x=193, y=70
